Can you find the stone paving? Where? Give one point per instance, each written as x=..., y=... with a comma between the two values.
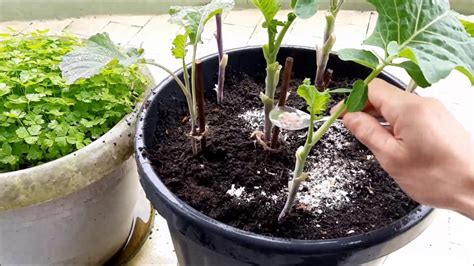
x=448, y=241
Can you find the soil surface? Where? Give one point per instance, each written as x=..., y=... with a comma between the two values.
x=236, y=182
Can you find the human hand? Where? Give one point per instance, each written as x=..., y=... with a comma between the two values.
x=426, y=150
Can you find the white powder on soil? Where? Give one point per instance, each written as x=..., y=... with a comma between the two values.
x=331, y=177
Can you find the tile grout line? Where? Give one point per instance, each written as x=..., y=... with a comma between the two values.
x=254, y=30
x=138, y=32
x=368, y=25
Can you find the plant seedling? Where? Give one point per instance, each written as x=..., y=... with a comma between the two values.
x=322, y=53
x=276, y=31
x=87, y=61
x=424, y=34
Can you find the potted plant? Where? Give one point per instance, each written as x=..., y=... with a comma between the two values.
x=222, y=200
x=68, y=188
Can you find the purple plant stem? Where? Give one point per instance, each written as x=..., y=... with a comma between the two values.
x=220, y=48
x=283, y=95
x=200, y=103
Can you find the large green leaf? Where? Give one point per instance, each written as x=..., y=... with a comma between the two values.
x=428, y=33
x=269, y=8
x=89, y=60
x=363, y=57
x=305, y=8
x=358, y=97
x=194, y=18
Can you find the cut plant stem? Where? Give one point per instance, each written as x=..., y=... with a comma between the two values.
x=322, y=53
x=283, y=96
x=200, y=104
x=270, y=52
x=222, y=60
x=187, y=93
x=313, y=138
x=271, y=81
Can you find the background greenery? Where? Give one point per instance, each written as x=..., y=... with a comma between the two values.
x=43, y=118
x=47, y=9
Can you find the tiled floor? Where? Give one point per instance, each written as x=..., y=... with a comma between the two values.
x=448, y=241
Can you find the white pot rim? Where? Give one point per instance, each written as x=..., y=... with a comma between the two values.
x=74, y=171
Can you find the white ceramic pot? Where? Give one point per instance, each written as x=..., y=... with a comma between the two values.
x=78, y=209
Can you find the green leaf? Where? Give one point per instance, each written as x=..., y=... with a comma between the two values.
x=392, y=48
x=34, y=130
x=427, y=33
x=179, y=46
x=468, y=26
x=358, y=97
x=39, y=107
x=363, y=57
x=9, y=159
x=317, y=101
x=22, y=133
x=90, y=60
x=4, y=89
x=305, y=8
x=293, y=4
x=289, y=118
x=269, y=8
x=194, y=18
x=415, y=73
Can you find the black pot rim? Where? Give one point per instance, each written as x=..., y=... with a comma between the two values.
x=193, y=216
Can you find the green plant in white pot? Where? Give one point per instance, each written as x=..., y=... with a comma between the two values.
x=67, y=187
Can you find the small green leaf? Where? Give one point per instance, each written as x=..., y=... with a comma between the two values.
x=317, y=101
x=22, y=133
x=179, y=46
x=363, y=57
x=359, y=96
x=415, y=73
x=9, y=159
x=4, y=89
x=305, y=8
x=193, y=18
x=269, y=8
x=468, y=26
x=34, y=130
x=392, y=48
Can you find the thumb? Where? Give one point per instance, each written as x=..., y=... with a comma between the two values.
x=368, y=130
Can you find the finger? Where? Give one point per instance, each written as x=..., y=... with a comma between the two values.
x=368, y=130
x=337, y=107
x=387, y=99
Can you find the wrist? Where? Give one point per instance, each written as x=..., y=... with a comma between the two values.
x=464, y=200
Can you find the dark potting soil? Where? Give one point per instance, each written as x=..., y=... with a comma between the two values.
x=236, y=182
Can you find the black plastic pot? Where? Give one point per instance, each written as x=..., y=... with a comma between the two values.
x=200, y=240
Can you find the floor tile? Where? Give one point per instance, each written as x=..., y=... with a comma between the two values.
x=88, y=26
x=54, y=26
x=121, y=33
